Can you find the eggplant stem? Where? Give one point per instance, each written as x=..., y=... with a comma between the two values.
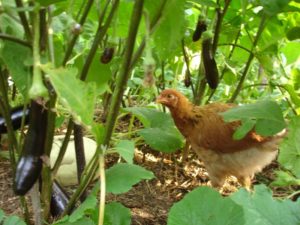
x=102, y=187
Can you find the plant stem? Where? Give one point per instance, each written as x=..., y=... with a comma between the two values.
x=75, y=36
x=14, y=39
x=250, y=58
x=102, y=188
x=124, y=71
x=186, y=59
x=101, y=31
x=153, y=26
x=24, y=20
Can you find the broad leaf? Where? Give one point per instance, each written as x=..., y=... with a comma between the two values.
x=293, y=33
x=284, y=179
x=151, y=117
x=165, y=140
x=171, y=28
x=48, y=2
x=126, y=149
x=272, y=7
x=241, y=132
x=14, y=56
x=205, y=206
x=289, y=155
x=76, y=96
x=160, y=132
x=87, y=207
x=117, y=214
x=267, y=114
x=13, y=220
x=261, y=209
x=121, y=177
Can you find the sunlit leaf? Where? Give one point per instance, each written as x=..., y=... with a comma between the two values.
x=121, y=177
x=116, y=214
x=289, y=155
x=267, y=114
x=126, y=149
x=284, y=179
x=165, y=140
x=272, y=7
x=205, y=206
x=261, y=209
x=15, y=58
x=78, y=97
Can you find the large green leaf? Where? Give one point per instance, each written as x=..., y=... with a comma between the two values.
x=13, y=220
x=205, y=206
x=121, y=177
x=87, y=207
x=284, y=179
x=78, y=97
x=267, y=114
x=48, y=2
x=126, y=149
x=289, y=155
x=170, y=31
x=116, y=214
x=165, y=140
x=289, y=51
x=16, y=57
x=151, y=117
x=261, y=209
x=160, y=132
x=272, y=7
x=293, y=33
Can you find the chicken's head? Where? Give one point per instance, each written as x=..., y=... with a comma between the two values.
x=169, y=98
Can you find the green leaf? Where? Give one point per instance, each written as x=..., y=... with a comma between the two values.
x=165, y=140
x=246, y=126
x=267, y=114
x=261, y=209
x=99, y=73
x=208, y=3
x=2, y=215
x=272, y=7
x=14, y=56
x=293, y=33
x=289, y=155
x=87, y=207
x=151, y=117
x=122, y=176
x=116, y=214
x=229, y=76
x=170, y=31
x=284, y=179
x=13, y=220
x=289, y=52
x=76, y=96
x=205, y=206
x=126, y=149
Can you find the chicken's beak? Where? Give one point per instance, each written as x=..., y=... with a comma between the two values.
x=160, y=100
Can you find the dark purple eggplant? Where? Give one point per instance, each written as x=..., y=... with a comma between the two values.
x=30, y=163
x=210, y=66
x=16, y=118
x=107, y=55
x=59, y=200
x=200, y=28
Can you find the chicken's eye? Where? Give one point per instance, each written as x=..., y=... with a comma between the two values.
x=169, y=96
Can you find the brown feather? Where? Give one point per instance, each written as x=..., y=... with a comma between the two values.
x=212, y=139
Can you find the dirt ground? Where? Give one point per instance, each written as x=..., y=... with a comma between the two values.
x=149, y=201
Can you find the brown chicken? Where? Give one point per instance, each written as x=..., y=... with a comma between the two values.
x=212, y=139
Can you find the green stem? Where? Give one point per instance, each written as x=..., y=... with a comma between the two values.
x=101, y=31
x=250, y=58
x=75, y=36
x=14, y=39
x=124, y=71
x=24, y=20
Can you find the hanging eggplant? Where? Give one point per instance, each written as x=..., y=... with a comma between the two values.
x=59, y=200
x=200, y=28
x=16, y=118
x=30, y=163
x=210, y=66
x=107, y=55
